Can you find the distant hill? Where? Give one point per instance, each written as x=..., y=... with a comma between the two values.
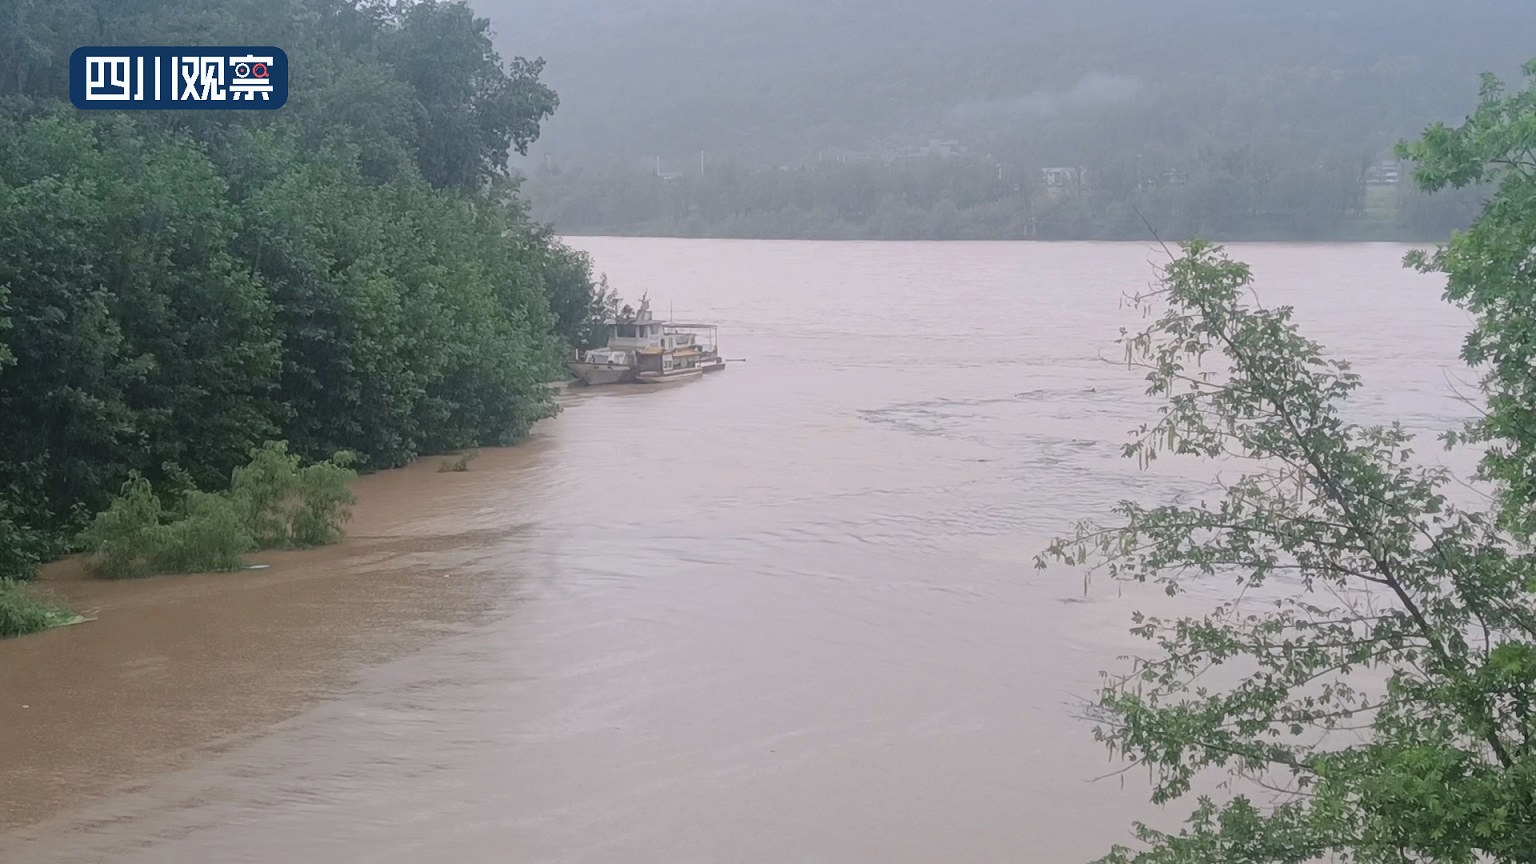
x=943, y=118
x=762, y=81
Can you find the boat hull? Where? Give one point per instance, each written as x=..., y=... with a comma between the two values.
x=594, y=374
x=668, y=376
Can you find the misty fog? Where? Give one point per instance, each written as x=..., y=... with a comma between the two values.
x=1237, y=97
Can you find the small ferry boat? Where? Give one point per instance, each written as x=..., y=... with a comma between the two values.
x=643, y=350
x=604, y=366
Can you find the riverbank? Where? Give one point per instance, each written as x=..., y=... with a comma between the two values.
x=1363, y=233
x=177, y=668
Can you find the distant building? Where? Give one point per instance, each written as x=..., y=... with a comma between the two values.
x=942, y=149
x=1158, y=179
x=1384, y=174
x=839, y=155
x=666, y=176
x=1064, y=178
x=896, y=150
x=945, y=149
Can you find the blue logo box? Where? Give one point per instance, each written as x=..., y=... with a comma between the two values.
x=179, y=78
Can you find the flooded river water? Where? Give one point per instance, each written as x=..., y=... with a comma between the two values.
x=783, y=614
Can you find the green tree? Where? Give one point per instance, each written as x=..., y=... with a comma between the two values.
x=353, y=273
x=581, y=313
x=31, y=32
x=1380, y=710
x=1491, y=272
x=6, y=357
x=21, y=549
x=472, y=110
x=1383, y=704
x=138, y=338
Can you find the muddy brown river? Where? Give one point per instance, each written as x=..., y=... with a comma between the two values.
x=781, y=614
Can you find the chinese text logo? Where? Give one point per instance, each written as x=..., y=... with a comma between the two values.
x=181, y=78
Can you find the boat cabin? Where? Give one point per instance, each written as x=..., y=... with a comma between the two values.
x=606, y=357
x=654, y=350
x=637, y=329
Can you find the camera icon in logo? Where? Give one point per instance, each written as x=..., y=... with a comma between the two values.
x=253, y=71
x=252, y=75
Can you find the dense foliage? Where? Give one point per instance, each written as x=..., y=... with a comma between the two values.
x=1376, y=704
x=1491, y=272
x=353, y=272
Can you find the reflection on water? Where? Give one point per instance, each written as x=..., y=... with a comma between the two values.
x=782, y=614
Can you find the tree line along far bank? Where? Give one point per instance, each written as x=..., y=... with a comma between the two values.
x=184, y=296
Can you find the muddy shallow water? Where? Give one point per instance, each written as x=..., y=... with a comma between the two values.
x=785, y=613
x=175, y=665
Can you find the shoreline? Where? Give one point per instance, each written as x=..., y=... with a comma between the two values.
x=174, y=669
x=1223, y=240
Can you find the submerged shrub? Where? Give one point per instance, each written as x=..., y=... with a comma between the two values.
x=459, y=464
x=283, y=505
x=263, y=490
x=325, y=502
x=122, y=540
x=24, y=611
x=272, y=503
x=208, y=536
x=136, y=536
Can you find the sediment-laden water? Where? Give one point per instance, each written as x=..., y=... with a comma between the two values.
x=781, y=614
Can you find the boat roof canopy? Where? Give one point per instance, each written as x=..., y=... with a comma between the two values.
x=692, y=326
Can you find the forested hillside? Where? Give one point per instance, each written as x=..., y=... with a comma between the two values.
x=1239, y=118
x=354, y=272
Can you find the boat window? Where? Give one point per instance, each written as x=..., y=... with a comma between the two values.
x=626, y=331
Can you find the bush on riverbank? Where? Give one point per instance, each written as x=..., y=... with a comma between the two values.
x=24, y=611
x=274, y=502
x=21, y=549
x=285, y=506
x=136, y=535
